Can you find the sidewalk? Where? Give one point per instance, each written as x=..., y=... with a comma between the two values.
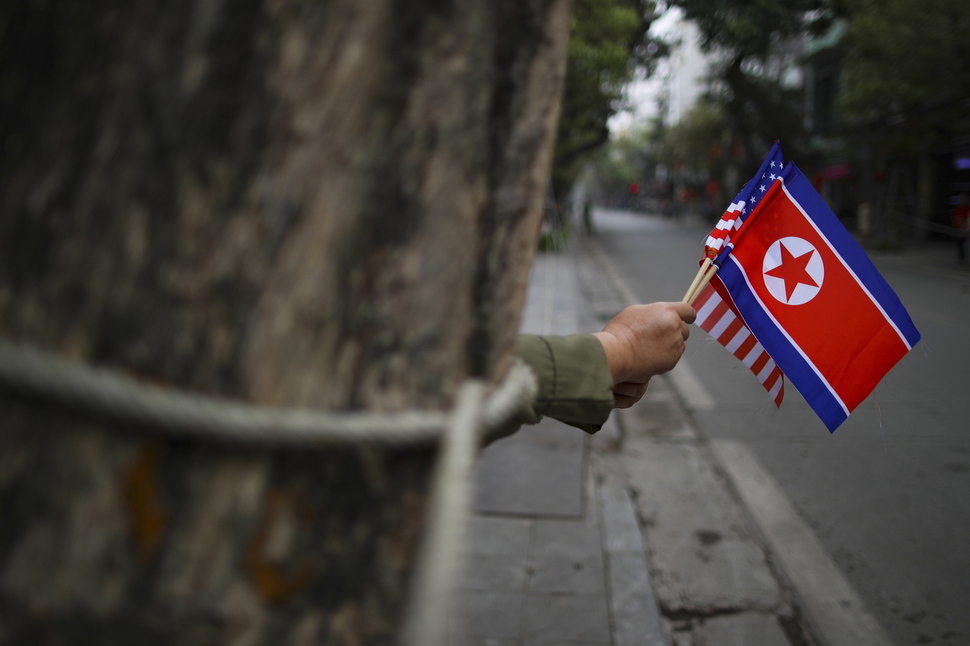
x=631, y=536
x=554, y=556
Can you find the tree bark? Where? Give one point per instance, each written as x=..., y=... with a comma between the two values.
x=324, y=205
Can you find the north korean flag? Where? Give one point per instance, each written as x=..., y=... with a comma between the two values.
x=814, y=300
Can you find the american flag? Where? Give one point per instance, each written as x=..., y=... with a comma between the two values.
x=719, y=319
x=744, y=202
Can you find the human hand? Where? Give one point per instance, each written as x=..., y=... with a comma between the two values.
x=642, y=341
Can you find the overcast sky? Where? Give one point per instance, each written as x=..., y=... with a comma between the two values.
x=642, y=93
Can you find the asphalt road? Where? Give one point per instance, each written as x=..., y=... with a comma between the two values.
x=888, y=494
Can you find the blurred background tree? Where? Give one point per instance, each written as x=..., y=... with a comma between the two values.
x=662, y=159
x=754, y=95
x=756, y=82
x=903, y=110
x=905, y=73
x=629, y=158
x=609, y=42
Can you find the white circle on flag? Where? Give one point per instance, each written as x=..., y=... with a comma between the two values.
x=793, y=270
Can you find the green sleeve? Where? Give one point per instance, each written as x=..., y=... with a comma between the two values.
x=574, y=378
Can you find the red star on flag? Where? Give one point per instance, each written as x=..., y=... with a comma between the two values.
x=793, y=270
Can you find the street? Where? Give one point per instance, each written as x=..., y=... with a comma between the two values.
x=887, y=493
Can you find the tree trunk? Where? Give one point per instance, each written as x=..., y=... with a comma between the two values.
x=293, y=203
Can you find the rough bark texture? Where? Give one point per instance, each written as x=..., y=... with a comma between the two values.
x=315, y=204
x=111, y=539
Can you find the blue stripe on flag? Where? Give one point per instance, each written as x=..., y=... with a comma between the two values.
x=815, y=389
x=772, y=163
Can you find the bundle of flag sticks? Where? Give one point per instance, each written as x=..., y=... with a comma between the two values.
x=701, y=280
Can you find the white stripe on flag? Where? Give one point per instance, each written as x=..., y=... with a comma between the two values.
x=722, y=325
x=738, y=339
x=717, y=325
x=709, y=305
x=775, y=382
x=722, y=230
x=777, y=387
x=752, y=356
x=766, y=371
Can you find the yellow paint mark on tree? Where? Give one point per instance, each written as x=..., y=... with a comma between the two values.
x=148, y=515
x=263, y=566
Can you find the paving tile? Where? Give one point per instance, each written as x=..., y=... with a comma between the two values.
x=628, y=575
x=629, y=626
x=554, y=574
x=494, y=615
x=495, y=572
x=703, y=556
x=620, y=528
x=561, y=618
x=459, y=636
x=744, y=629
x=538, y=471
x=636, y=619
x=567, y=538
x=470, y=640
x=498, y=535
x=551, y=305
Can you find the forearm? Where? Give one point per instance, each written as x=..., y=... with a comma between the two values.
x=574, y=378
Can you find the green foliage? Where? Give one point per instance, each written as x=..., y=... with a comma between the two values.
x=695, y=142
x=750, y=36
x=691, y=151
x=906, y=71
x=700, y=148
x=627, y=159
x=609, y=39
x=750, y=28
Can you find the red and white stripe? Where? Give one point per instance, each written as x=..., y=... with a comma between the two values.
x=721, y=233
x=719, y=320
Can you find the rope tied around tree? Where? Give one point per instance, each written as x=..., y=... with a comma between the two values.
x=478, y=411
x=115, y=396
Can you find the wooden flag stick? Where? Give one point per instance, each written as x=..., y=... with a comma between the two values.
x=701, y=285
x=697, y=279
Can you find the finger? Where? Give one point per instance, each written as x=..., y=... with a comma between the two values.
x=630, y=389
x=684, y=331
x=686, y=313
x=622, y=401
